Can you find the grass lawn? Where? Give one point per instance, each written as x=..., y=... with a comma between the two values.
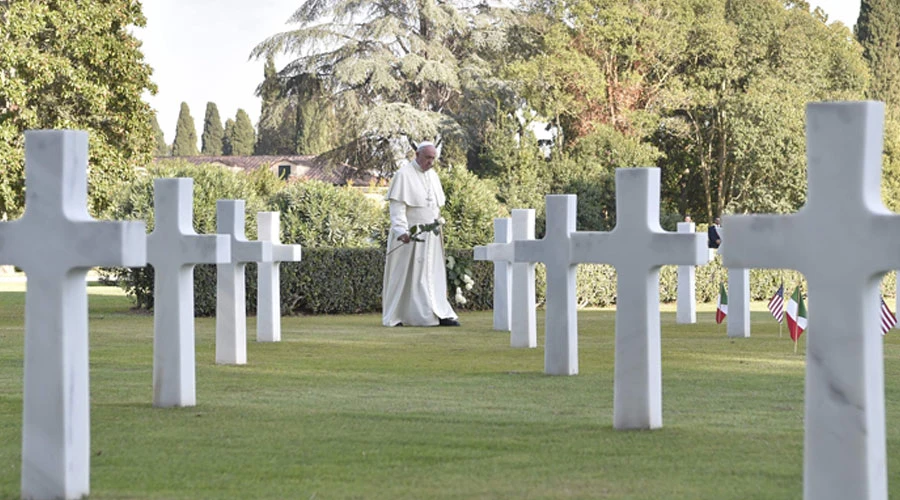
x=345, y=409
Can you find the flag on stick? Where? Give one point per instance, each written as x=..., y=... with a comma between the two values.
x=722, y=306
x=796, y=315
x=888, y=320
x=776, y=304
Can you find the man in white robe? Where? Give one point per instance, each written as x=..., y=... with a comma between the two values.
x=414, y=291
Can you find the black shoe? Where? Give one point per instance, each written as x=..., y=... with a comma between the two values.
x=449, y=322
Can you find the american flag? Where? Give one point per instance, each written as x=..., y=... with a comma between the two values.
x=776, y=304
x=888, y=320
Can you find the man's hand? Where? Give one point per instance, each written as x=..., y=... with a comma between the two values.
x=404, y=238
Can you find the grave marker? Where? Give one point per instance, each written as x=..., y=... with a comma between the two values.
x=173, y=248
x=231, y=298
x=843, y=240
x=268, y=296
x=56, y=242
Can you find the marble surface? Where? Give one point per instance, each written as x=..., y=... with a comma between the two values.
x=173, y=248
x=637, y=247
x=268, y=296
x=686, y=303
x=500, y=253
x=843, y=241
x=231, y=298
x=554, y=250
x=738, y=319
x=523, y=323
x=56, y=242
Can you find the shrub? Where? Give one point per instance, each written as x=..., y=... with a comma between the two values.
x=211, y=183
x=317, y=214
x=470, y=210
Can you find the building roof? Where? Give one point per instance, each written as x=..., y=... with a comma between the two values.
x=302, y=166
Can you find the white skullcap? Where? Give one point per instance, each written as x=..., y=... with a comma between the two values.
x=424, y=144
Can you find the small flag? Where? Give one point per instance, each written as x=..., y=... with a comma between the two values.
x=776, y=304
x=888, y=320
x=796, y=315
x=722, y=306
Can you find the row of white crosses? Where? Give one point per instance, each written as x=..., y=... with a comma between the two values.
x=56, y=242
x=845, y=448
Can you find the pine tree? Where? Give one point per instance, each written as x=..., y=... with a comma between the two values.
x=185, y=134
x=213, y=132
x=878, y=30
x=244, y=136
x=162, y=149
x=402, y=70
x=275, y=117
x=228, y=139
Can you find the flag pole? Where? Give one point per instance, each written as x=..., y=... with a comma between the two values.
x=780, y=323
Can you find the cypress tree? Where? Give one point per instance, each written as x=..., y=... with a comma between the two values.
x=213, y=132
x=185, y=134
x=878, y=30
x=161, y=149
x=272, y=138
x=228, y=139
x=244, y=137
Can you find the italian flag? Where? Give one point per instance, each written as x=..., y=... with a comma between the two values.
x=796, y=315
x=722, y=306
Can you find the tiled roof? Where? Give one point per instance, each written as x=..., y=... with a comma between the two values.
x=302, y=166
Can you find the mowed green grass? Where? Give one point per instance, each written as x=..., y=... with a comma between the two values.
x=345, y=409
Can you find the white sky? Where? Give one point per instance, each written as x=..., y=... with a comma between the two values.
x=199, y=52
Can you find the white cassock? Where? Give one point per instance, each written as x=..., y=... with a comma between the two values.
x=414, y=291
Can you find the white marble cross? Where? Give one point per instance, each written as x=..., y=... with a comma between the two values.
x=843, y=240
x=231, y=298
x=500, y=253
x=637, y=247
x=173, y=248
x=686, y=304
x=738, y=318
x=268, y=286
x=522, y=308
x=56, y=242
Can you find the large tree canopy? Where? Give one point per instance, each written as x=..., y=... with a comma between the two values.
x=73, y=64
x=398, y=71
x=711, y=91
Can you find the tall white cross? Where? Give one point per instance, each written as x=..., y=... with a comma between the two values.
x=637, y=247
x=844, y=452
x=231, y=298
x=686, y=305
x=56, y=242
x=523, y=316
x=502, y=273
x=173, y=248
x=268, y=286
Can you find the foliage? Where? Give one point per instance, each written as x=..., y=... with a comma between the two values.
x=470, y=209
x=878, y=31
x=211, y=183
x=736, y=126
x=185, y=134
x=227, y=148
x=243, y=136
x=213, y=133
x=162, y=149
x=75, y=65
x=317, y=214
x=297, y=117
x=397, y=72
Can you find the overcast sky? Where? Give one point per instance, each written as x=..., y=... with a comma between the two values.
x=199, y=52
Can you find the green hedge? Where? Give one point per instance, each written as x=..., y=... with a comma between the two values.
x=348, y=281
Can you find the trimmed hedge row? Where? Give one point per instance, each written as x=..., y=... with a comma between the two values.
x=348, y=281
